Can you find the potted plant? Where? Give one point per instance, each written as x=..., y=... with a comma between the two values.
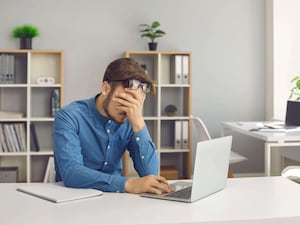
x=152, y=32
x=293, y=104
x=25, y=33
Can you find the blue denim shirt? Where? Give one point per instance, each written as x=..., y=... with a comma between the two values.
x=88, y=148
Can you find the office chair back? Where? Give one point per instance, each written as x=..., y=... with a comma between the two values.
x=292, y=173
x=204, y=135
x=201, y=129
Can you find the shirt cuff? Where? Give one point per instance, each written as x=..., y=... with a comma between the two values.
x=118, y=184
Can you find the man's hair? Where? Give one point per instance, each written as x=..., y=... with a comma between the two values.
x=123, y=69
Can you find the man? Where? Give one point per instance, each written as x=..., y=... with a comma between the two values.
x=90, y=136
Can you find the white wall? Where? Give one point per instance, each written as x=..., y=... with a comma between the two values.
x=283, y=53
x=226, y=38
x=282, y=59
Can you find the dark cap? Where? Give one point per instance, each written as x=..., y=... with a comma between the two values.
x=126, y=69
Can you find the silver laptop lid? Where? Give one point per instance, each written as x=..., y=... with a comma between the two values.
x=211, y=166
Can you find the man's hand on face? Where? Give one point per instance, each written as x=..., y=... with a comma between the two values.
x=150, y=183
x=131, y=102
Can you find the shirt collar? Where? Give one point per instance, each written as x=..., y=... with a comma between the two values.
x=95, y=112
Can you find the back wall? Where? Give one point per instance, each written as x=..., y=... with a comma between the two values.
x=225, y=37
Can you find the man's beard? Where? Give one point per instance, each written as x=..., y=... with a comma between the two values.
x=105, y=108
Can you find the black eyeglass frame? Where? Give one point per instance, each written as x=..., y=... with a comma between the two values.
x=134, y=84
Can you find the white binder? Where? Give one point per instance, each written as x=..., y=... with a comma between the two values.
x=178, y=136
x=176, y=69
x=185, y=69
x=185, y=134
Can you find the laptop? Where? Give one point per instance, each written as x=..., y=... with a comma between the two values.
x=209, y=174
x=292, y=117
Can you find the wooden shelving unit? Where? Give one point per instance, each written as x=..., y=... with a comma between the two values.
x=33, y=100
x=160, y=66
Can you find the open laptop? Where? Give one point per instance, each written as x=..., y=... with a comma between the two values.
x=292, y=117
x=210, y=172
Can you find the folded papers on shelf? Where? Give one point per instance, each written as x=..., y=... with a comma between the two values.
x=11, y=114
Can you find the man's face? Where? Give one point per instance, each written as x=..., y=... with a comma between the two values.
x=111, y=107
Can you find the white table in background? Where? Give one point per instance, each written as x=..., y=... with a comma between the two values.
x=271, y=139
x=245, y=201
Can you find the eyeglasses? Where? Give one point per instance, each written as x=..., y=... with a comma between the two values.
x=134, y=84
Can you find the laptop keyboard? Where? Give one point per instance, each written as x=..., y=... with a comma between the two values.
x=184, y=193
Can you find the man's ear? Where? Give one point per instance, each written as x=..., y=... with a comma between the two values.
x=105, y=88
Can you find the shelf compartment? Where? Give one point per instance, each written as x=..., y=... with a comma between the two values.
x=43, y=130
x=175, y=68
x=38, y=165
x=170, y=132
x=150, y=106
x=149, y=61
x=152, y=128
x=41, y=99
x=17, y=67
x=13, y=99
x=173, y=160
x=15, y=160
x=46, y=64
x=177, y=96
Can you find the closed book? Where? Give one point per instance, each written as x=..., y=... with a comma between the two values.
x=34, y=139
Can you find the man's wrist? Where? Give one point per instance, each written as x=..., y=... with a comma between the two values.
x=138, y=125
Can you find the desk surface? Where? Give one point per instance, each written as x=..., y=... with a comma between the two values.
x=244, y=127
x=271, y=200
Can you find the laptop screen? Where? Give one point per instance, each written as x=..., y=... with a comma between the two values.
x=292, y=117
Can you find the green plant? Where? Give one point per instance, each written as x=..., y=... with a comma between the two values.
x=295, y=91
x=151, y=31
x=25, y=31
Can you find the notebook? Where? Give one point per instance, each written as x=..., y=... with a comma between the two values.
x=210, y=172
x=57, y=192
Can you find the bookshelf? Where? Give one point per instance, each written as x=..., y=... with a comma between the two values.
x=164, y=67
x=30, y=100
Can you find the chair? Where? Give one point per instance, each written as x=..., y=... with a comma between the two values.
x=50, y=171
x=292, y=173
x=204, y=135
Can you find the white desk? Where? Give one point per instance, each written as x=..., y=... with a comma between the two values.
x=262, y=200
x=271, y=139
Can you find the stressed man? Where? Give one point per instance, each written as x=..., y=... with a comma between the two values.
x=91, y=136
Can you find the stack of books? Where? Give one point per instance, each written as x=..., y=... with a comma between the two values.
x=12, y=137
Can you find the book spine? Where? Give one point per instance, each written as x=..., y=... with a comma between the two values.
x=55, y=103
x=35, y=142
x=3, y=139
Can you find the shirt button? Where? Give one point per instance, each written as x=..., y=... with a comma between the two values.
x=109, y=121
x=108, y=131
x=137, y=138
x=105, y=163
x=108, y=147
x=142, y=157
